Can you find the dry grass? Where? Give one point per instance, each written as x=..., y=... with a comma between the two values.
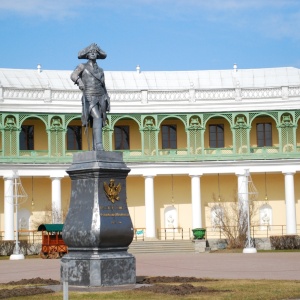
x=225, y=289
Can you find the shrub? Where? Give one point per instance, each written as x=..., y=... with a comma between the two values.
x=285, y=242
x=7, y=248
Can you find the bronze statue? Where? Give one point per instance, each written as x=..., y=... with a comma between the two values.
x=95, y=100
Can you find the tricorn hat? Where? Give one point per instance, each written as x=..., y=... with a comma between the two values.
x=84, y=52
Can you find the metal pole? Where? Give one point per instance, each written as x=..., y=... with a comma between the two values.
x=65, y=290
x=249, y=247
x=17, y=222
x=248, y=210
x=248, y=225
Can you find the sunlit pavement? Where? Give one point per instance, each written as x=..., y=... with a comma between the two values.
x=280, y=266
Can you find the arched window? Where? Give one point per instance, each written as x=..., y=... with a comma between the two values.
x=264, y=134
x=122, y=137
x=74, y=137
x=27, y=137
x=216, y=136
x=169, y=136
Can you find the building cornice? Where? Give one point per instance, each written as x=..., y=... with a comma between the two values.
x=163, y=168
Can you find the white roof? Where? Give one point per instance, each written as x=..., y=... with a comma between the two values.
x=156, y=80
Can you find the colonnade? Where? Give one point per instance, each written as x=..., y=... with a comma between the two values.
x=196, y=203
x=9, y=206
x=242, y=178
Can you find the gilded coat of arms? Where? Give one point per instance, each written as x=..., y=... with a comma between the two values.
x=112, y=190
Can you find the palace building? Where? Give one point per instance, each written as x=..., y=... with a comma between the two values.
x=188, y=137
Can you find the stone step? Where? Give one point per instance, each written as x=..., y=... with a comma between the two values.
x=161, y=246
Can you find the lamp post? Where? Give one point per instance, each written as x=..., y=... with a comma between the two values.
x=249, y=191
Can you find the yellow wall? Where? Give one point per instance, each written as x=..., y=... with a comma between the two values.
x=297, y=196
x=298, y=133
x=209, y=196
x=163, y=197
x=275, y=193
x=40, y=134
x=181, y=199
x=42, y=199
x=1, y=204
x=136, y=200
x=65, y=195
x=135, y=142
x=210, y=190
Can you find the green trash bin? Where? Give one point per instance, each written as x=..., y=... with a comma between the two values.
x=199, y=233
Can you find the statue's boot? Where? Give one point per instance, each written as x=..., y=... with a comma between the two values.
x=99, y=146
x=97, y=134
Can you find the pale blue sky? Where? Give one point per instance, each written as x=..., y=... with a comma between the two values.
x=156, y=34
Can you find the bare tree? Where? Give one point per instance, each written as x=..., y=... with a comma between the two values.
x=232, y=219
x=51, y=214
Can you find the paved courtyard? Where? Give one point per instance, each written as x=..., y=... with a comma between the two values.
x=279, y=266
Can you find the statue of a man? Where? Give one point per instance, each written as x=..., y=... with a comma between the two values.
x=95, y=100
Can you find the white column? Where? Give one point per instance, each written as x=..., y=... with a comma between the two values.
x=149, y=206
x=56, y=200
x=291, y=227
x=196, y=202
x=8, y=208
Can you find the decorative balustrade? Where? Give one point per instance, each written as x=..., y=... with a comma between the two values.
x=257, y=231
x=12, y=93
x=218, y=151
x=209, y=154
x=215, y=94
x=163, y=95
x=139, y=234
x=34, y=153
x=180, y=233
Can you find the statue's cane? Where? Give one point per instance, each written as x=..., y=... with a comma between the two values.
x=86, y=119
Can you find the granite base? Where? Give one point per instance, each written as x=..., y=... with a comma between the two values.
x=98, y=268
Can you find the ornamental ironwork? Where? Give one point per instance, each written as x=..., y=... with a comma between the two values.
x=112, y=190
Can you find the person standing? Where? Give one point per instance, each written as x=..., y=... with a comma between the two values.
x=95, y=100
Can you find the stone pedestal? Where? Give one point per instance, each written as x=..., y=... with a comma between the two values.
x=200, y=245
x=98, y=228
x=96, y=268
